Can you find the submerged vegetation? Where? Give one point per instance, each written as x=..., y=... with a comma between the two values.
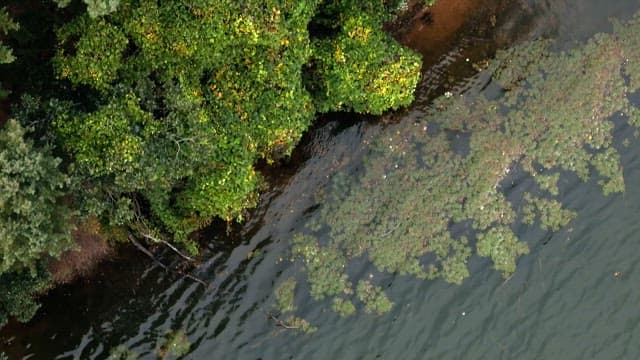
x=554, y=112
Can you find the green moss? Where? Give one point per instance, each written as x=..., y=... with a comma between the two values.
x=633, y=116
x=627, y=37
x=554, y=116
x=454, y=263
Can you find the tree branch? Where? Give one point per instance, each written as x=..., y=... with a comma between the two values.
x=146, y=251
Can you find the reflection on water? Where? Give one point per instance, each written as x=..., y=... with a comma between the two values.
x=574, y=296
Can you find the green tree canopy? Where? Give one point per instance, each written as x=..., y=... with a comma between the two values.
x=95, y=8
x=6, y=25
x=188, y=96
x=33, y=221
x=17, y=291
x=157, y=113
x=361, y=68
x=6, y=53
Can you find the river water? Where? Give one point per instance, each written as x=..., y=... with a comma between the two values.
x=575, y=296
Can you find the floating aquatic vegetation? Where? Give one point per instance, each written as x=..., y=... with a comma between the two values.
x=343, y=307
x=284, y=295
x=374, y=299
x=554, y=115
x=285, y=300
x=176, y=343
x=549, y=183
x=121, y=352
x=550, y=213
x=502, y=246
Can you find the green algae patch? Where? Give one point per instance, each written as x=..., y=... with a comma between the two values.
x=285, y=295
x=343, y=307
x=554, y=115
x=175, y=344
x=374, y=299
x=285, y=304
x=549, y=212
x=502, y=246
x=121, y=352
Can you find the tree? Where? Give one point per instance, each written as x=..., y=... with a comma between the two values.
x=159, y=111
x=6, y=54
x=17, y=291
x=34, y=223
x=363, y=69
x=95, y=8
x=190, y=96
x=6, y=25
x=355, y=66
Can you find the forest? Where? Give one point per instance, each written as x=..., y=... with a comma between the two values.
x=143, y=121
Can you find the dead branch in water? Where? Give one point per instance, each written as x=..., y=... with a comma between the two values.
x=166, y=243
x=271, y=316
x=146, y=251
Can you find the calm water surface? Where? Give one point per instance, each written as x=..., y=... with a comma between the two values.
x=563, y=302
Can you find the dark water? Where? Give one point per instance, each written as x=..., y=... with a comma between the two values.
x=563, y=302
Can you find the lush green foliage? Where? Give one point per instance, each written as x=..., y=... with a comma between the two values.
x=6, y=54
x=33, y=221
x=95, y=8
x=6, y=25
x=554, y=113
x=161, y=110
x=362, y=68
x=17, y=289
x=190, y=96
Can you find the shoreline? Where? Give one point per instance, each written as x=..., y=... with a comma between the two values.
x=106, y=264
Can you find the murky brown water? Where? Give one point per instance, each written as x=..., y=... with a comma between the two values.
x=563, y=302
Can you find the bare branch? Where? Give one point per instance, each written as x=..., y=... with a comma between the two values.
x=149, y=254
x=278, y=321
x=152, y=238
